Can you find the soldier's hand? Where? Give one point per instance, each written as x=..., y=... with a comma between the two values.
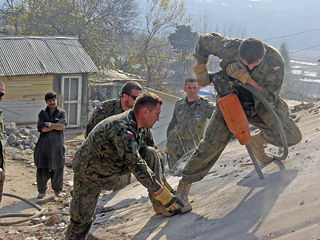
x=2, y=175
x=201, y=72
x=171, y=203
x=238, y=71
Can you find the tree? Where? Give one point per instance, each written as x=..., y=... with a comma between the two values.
x=285, y=54
x=160, y=16
x=183, y=42
x=99, y=24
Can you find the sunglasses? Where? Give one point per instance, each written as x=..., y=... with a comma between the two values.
x=2, y=94
x=133, y=97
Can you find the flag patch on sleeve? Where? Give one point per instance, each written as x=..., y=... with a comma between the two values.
x=276, y=69
x=129, y=133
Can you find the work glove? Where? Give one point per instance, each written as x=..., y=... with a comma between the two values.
x=172, y=204
x=238, y=71
x=201, y=72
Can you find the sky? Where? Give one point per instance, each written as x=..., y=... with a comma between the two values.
x=268, y=20
x=264, y=19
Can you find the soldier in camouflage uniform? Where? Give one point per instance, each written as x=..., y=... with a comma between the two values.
x=2, y=132
x=187, y=125
x=130, y=91
x=251, y=62
x=110, y=150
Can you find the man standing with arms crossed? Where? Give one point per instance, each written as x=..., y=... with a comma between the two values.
x=49, y=151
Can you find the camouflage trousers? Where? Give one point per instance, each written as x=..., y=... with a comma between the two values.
x=217, y=136
x=177, y=150
x=86, y=191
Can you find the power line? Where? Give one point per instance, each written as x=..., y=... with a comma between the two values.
x=301, y=50
x=292, y=34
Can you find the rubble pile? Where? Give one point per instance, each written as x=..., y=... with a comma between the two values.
x=23, y=138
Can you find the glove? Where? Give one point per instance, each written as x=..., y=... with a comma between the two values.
x=166, y=150
x=201, y=72
x=238, y=71
x=172, y=204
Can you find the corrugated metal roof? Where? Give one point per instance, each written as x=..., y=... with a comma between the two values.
x=27, y=55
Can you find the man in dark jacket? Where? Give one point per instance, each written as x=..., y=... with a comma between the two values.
x=49, y=151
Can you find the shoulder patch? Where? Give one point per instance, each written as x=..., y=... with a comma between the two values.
x=129, y=133
x=99, y=107
x=276, y=69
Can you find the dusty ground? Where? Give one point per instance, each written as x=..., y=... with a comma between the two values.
x=20, y=180
x=231, y=203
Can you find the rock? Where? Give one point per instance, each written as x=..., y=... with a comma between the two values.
x=34, y=132
x=13, y=231
x=20, y=147
x=31, y=238
x=55, y=219
x=25, y=131
x=33, y=139
x=26, y=142
x=36, y=220
x=32, y=146
x=65, y=219
x=12, y=139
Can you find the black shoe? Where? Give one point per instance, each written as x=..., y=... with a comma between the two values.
x=57, y=193
x=41, y=195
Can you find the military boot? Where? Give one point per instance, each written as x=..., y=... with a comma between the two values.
x=258, y=143
x=182, y=193
x=75, y=232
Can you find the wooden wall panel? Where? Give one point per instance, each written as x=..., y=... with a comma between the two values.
x=31, y=87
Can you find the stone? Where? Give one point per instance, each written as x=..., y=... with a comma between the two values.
x=25, y=131
x=55, y=219
x=33, y=139
x=32, y=146
x=12, y=139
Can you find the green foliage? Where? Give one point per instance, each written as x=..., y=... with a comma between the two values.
x=183, y=40
x=99, y=24
x=285, y=54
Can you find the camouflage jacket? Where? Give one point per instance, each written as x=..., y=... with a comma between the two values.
x=2, y=132
x=112, y=148
x=188, y=123
x=109, y=108
x=268, y=74
x=104, y=110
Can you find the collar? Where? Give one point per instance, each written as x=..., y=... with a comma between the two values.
x=132, y=120
x=198, y=101
x=48, y=110
x=118, y=103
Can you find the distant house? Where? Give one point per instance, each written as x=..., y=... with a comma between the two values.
x=159, y=130
x=32, y=65
x=110, y=83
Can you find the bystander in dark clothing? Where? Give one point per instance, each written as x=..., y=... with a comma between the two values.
x=49, y=151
